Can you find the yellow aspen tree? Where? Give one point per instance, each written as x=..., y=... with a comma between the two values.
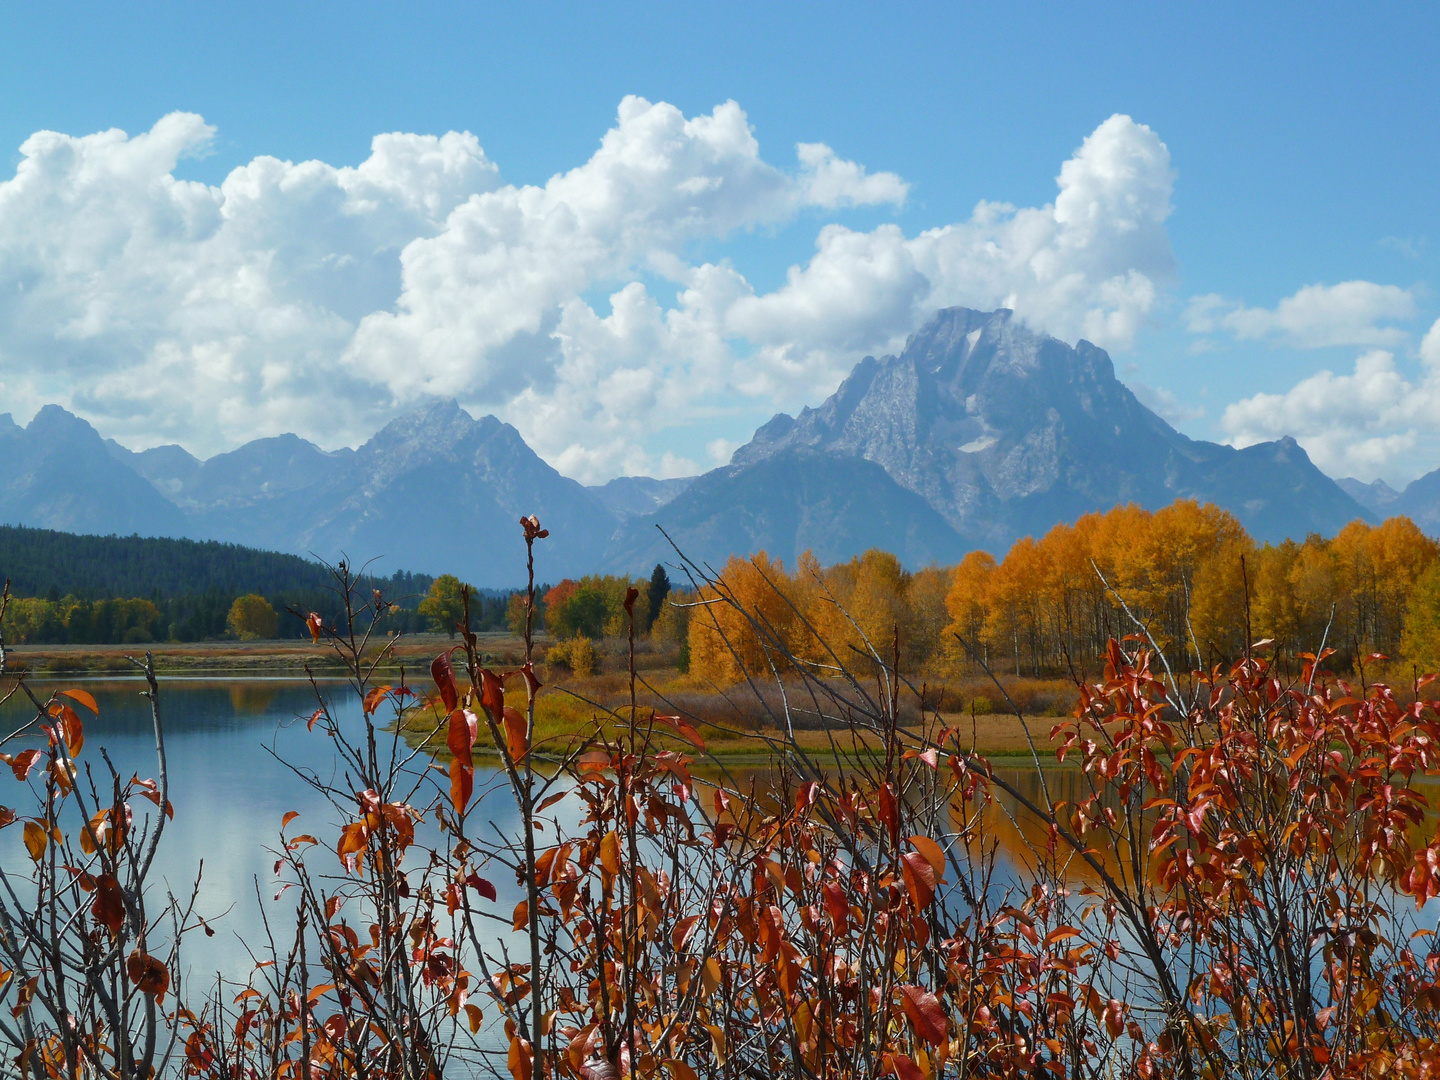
x=968, y=604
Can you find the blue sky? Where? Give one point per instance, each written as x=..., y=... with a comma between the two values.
x=1302, y=143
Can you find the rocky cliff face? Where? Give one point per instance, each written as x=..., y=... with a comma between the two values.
x=1004, y=431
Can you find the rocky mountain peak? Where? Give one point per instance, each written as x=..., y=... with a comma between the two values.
x=1005, y=430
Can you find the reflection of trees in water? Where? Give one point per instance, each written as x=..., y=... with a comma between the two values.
x=252, y=697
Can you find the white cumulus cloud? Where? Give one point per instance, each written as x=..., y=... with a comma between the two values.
x=1371, y=423
x=306, y=297
x=1316, y=316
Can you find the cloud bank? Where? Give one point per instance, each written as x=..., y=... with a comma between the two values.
x=1315, y=317
x=316, y=299
x=1364, y=424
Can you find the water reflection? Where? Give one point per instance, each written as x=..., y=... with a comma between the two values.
x=231, y=745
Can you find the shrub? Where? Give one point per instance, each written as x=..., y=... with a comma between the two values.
x=577, y=654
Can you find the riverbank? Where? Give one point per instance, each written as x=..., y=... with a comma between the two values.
x=736, y=725
x=289, y=656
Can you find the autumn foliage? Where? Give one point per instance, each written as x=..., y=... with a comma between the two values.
x=1188, y=573
x=1231, y=875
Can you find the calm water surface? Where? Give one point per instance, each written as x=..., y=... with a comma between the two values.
x=229, y=745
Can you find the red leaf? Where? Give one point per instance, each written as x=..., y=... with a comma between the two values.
x=923, y=1009
x=21, y=763
x=462, y=784
x=148, y=973
x=805, y=797
x=684, y=930
x=481, y=886
x=682, y=728
x=1114, y=1018
x=108, y=908
x=313, y=717
x=444, y=675
x=836, y=905
x=889, y=811
x=492, y=693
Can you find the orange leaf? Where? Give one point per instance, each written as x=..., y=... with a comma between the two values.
x=519, y=1059
x=375, y=697
x=36, y=840
x=83, y=698
x=610, y=852
x=919, y=878
x=474, y=1016
x=520, y=918
x=934, y=854
x=148, y=973
x=443, y=673
x=923, y=1009
x=1060, y=933
x=291, y=816
x=73, y=730
x=316, y=626
x=353, y=839
x=515, y=735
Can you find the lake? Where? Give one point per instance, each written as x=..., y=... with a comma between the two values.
x=231, y=744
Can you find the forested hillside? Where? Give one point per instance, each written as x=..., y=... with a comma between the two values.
x=42, y=562
x=115, y=589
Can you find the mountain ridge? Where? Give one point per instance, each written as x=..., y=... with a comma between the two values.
x=979, y=431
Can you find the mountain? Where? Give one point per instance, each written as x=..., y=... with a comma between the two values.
x=785, y=503
x=1002, y=432
x=1420, y=501
x=57, y=473
x=1375, y=496
x=434, y=491
x=981, y=431
x=439, y=490
x=635, y=496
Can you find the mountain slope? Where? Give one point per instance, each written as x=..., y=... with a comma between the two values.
x=1420, y=501
x=438, y=490
x=634, y=496
x=58, y=474
x=1004, y=432
x=788, y=502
